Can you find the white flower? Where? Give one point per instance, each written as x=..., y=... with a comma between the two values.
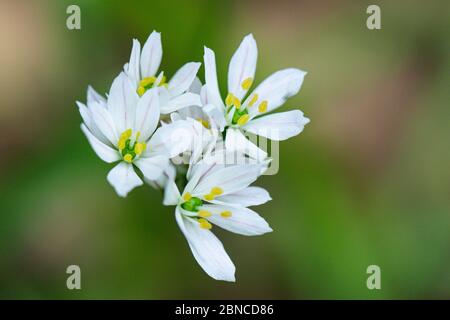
x=217, y=194
x=142, y=70
x=249, y=114
x=121, y=128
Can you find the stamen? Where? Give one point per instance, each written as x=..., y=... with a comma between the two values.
x=243, y=119
x=139, y=147
x=226, y=214
x=236, y=102
x=253, y=100
x=217, y=191
x=263, y=106
x=204, y=224
x=187, y=196
x=229, y=99
x=209, y=197
x=128, y=158
x=204, y=123
x=204, y=214
x=140, y=91
x=247, y=83
x=147, y=81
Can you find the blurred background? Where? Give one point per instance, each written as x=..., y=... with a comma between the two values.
x=367, y=182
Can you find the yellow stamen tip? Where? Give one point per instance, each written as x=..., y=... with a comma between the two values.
x=243, y=119
x=226, y=214
x=146, y=82
x=128, y=158
x=163, y=81
x=236, y=102
x=217, y=191
x=263, y=106
x=204, y=224
x=204, y=123
x=204, y=214
x=140, y=91
x=209, y=197
x=139, y=147
x=229, y=99
x=187, y=196
x=247, y=83
x=253, y=100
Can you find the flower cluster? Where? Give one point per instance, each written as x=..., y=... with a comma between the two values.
x=183, y=137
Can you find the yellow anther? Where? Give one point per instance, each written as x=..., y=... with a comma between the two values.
x=263, y=106
x=209, y=197
x=226, y=214
x=204, y=122
x=139, y=147
x=140, y=91
x=217, y=191
x=229, y=99
x=147, y=81
x=253, y=100
x=187, y=196
x=128, y=158
x=243, y=119
x=138, y=134
x=204, y=214
x=126, y=134
x=204, y=224
x=247, y=83
x=163, y=81
x=236, y=102
x=121, y=144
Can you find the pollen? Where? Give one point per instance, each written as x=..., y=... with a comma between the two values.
x=229, y=99
x=247, y=83
x=204, y=123
x=217, y=191
x=236, y=102
x=139, y=147
x=187, y=196
x=140, y=91
x=209, y=197
x=253, y=100
x=226, y=214
x=147, y=81
x=204, y=214
x=263, y=106
x=128, y=158
x=243, y=119
x=204, y=224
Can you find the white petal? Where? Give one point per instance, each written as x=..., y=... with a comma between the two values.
x=151, y=55
x=212, y=87
x=250, y=196
x=183, y=78
x=242, y=220
x=182, y=101
x=277, y=88
x=122, y=102
x=278, y=126
x=196, y=86
x=152, y=167
x=103, y=151
x=172, y=139
x=171, y=194
x=94, y=96
x=242, y=66
x=123, y=178
x=133, y=65
x=236, y=141
x=207, y=249
x=147, y=114
x=216, y=114
x=229, y=179
x=104, y=121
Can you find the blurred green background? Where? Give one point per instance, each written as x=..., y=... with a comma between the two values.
x=367, y=182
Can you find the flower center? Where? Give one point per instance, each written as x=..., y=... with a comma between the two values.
x=130, y=148
x=148, y=83
x=191, y=203
x=240, y=117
